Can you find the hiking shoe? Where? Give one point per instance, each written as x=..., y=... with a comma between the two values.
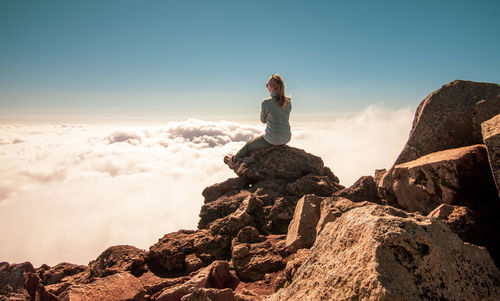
x=229, y=160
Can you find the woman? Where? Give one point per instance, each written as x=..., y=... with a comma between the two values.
x=275, y=113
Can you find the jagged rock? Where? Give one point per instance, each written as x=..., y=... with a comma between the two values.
x=253, y=260
x=231, y=224
x=168, y=256
x=116, y=259
x=364, y=189
x=280, y=162
x=491, y=138
x=250, y=235
x=56, y=274
x=193, y=263
x=118, y=286
x=220, y=208
x=231, y=185
x=210, y=294
x=332, y=208
x=461, y=220
x=319, y=185
x=381, y=253
x=458, y=176
x=279, y=215
x=302, y=228
x=21, y=282
x=217, y=275
x=292, y=265
x=268, y=190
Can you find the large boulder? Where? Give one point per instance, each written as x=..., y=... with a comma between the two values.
x=173, y=255
x=302, y=228
x=459, y=176
x=451, y=117
x=280, y=162
x=221, y=207
x=319, y=185
x=21, y=282
x=364, y=189
x=462, y=221
x=217, y=275
x=51, y=275
x=118, y=286
x=381, y=253
x=448, y=118
x=230, y=186
x=491, y=138
x=254, y=256
x=332, y=208
x=116, y=259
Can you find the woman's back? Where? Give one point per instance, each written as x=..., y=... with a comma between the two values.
x=277, y=120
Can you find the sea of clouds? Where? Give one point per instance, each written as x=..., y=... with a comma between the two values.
x=69, y=191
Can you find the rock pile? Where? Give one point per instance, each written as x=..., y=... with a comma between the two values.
x=285, y=229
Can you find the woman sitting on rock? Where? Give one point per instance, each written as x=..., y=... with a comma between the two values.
x=275, y=112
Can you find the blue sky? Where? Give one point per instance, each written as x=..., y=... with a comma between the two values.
x=211, y=59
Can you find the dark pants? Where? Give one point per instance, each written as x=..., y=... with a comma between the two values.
x=252, y=145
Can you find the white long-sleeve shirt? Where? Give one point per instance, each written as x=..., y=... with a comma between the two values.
x=276, y=120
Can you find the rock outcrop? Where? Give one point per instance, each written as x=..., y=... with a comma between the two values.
x=449, y=117
x=381, y=253
x=491, y=138
x=281, y=162
x=285, y=228
x=118, y=259
x=21, y=282
x=459, y=176
x=302, y=229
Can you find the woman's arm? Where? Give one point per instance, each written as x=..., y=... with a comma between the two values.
x=263, y=112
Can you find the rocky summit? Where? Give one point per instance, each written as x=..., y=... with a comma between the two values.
x=284, y=228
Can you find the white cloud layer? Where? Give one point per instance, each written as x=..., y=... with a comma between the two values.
x=67, y=192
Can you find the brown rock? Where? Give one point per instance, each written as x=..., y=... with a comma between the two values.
x=21, y=282
x=364, y=189
x=253, y=260
x=302, y=228
x=210, y=294
x=332, y=208
x=231, y=224
x=116, y=259
x=249, y=234
x=169, y=256
x=491, y=138
x=318, y=185
x=448, y=118
x=461, y=220
x=279, y=215
x=458, y=176
x=280, y=162
x=56, y=274
x=451, y=117
x=230, y=186
x=292, y=265
x=118, y=286
x=217, y=275
x=220, y=208
x=382, y=253
x=193, y=263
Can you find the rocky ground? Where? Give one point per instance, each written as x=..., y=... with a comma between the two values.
x=285, y=229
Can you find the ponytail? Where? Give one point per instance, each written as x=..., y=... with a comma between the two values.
x=280, y=90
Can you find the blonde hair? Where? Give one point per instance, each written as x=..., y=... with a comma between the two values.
x=277, y=82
